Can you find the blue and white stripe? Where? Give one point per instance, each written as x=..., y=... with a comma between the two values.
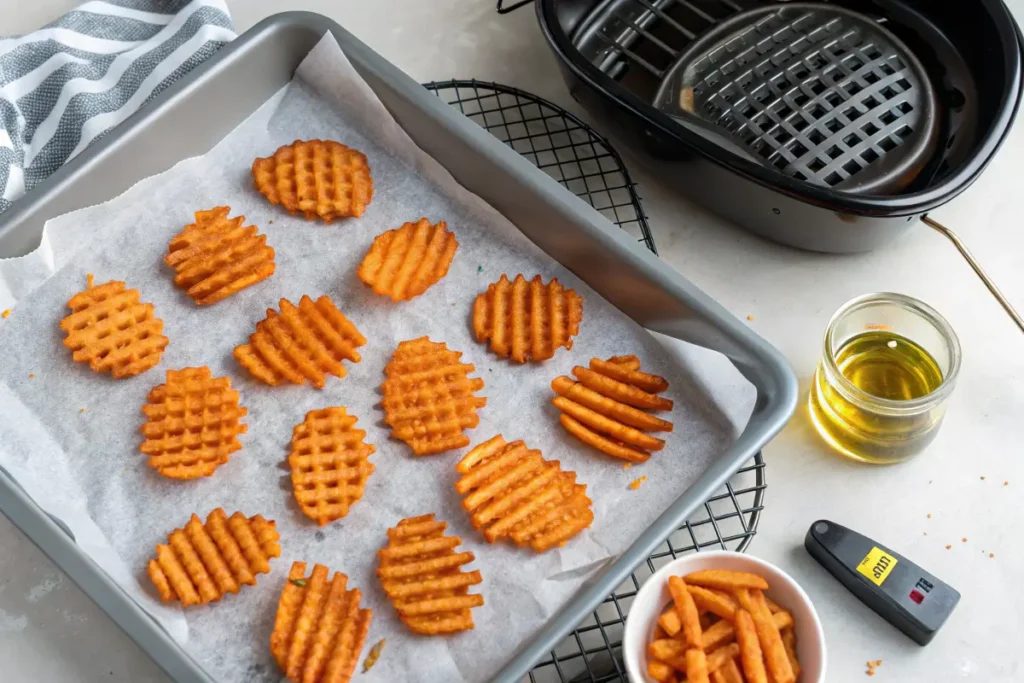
x=65, y=85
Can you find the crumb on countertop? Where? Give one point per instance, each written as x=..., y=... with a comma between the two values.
x=6, y=313
x=929, y=515
x=963, y=540
x=948, y=547
x=926, y=533
x=991, y=554
x=635, y=484
x=983, y=477
x=750, y=317
x=81, y=410
x=1006, y=483
x=627, y=465
x=872, y=665
x=31, y=375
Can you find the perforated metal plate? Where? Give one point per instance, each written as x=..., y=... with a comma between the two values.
x=636, y=42
x=823, y=94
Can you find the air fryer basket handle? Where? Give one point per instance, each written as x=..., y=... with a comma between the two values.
x=969, y=257
x=503, y=9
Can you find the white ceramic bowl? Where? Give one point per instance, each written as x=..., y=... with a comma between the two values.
x=654, y=597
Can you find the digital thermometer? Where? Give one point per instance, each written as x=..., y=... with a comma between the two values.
x=902, y=593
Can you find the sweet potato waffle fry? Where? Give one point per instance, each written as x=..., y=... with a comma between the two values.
x=317, y=178
x=420, y=571
x=329, y=463
x=301, y=343
x=112, y=331
x=192, y=424
x=202, y=562
x=512, y=491
x=527, y=320
x=319, y=630
x=216, y=257
x=428, y=396
x=605, y=407
x=404, y=263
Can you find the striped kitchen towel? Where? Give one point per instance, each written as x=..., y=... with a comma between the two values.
x=65, y=85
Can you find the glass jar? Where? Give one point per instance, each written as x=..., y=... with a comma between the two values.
x=889, y=364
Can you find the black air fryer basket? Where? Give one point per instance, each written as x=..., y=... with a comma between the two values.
x=616, y=54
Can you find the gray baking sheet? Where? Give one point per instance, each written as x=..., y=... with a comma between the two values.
x=85, y=466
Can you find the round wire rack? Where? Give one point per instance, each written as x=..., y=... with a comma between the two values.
x=572, y=153
x=558, y=143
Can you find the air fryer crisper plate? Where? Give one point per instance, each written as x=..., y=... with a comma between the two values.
x=821, y=93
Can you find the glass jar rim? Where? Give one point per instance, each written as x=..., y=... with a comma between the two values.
x=918, y=307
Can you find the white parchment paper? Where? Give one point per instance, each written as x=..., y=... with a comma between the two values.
x=85, y=467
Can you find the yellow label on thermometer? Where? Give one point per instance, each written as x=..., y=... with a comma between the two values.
x=876, y=565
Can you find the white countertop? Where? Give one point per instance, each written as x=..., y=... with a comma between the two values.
x=50, y=631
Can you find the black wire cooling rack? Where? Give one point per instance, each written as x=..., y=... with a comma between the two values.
x=584, y=162
x=556, y=142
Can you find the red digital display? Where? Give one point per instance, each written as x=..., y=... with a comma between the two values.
x=917, y=596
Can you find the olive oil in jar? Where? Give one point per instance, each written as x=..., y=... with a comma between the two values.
x=872, y=413
x=888, y=365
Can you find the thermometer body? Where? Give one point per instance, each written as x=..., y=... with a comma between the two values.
x=908, y=597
